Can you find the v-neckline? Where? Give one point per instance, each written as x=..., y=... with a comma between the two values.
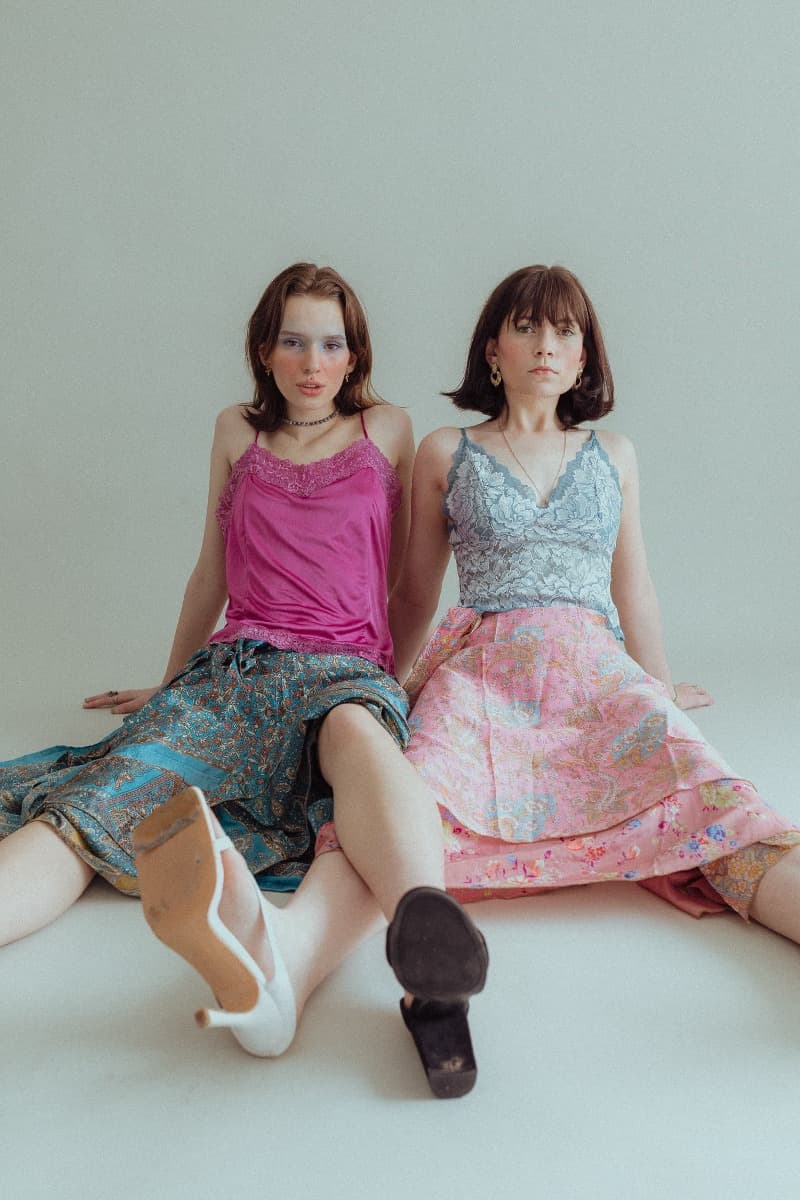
x=526, y=487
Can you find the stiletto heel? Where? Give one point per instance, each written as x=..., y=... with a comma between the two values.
x=179, y=864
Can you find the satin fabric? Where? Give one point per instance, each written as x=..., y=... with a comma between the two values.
x=307, y=551
x=240, y=722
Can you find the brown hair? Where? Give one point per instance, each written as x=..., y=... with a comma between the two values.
x=306, y=279
x=555, y=294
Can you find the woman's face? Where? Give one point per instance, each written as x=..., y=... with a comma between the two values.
x=537, y=358
x=310, y=357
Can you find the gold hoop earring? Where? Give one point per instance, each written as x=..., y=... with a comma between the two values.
x=495, y=378
x=577, y=382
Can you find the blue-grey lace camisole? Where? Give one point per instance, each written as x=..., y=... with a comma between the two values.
x=512, y=553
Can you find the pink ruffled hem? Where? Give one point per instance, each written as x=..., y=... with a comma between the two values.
x=689, y=891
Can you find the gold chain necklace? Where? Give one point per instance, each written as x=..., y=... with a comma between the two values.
x=532, y=481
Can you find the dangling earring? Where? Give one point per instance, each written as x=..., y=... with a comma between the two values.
x=347, y=377
x=268, y=371
x=578, y=379
x=495, y=378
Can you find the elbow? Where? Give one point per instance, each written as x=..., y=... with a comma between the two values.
x=421, y=606
x=633, y=593
x=208, y=584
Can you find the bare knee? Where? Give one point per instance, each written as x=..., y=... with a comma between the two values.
x=347, y=722
x=342, y=730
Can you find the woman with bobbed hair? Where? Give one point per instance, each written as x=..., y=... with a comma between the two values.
x=265, y=731
x=549, y=290
x=544, y=714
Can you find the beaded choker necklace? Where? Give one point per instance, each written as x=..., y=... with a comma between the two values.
x=320, y=421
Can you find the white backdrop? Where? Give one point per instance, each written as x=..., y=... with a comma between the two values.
x=162, y=161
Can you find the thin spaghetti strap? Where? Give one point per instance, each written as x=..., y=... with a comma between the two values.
x=363, y=423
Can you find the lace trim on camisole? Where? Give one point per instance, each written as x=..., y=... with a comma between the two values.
x=282, y=639
x=303, y=479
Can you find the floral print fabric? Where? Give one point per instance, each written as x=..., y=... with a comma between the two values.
x=557, y=760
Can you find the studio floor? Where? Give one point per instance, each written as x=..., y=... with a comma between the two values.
x=624, y=1049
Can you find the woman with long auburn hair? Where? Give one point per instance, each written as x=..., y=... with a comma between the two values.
x=273, y=747
x=544, y=714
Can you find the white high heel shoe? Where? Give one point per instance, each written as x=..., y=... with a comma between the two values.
x=179, y=865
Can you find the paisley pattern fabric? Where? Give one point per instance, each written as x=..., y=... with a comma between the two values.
x=240, y=722
x=511, y=553
x=736, y=876
x=557, y=760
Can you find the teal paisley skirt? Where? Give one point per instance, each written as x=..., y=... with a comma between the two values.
x=240, y=722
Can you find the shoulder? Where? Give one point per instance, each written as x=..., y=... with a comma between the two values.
x=232, y=432
x=439, y=446
x=444, y=442
x=389, y=427
x=387, y=419
x=233, y=419
x=435, y=455
x=621, y=452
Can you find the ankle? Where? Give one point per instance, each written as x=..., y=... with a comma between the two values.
x=240, y=910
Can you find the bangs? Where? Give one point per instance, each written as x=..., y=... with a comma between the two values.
x=549, y=294
x=541, y=294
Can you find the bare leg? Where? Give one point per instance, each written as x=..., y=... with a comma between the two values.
x=329, y=915
x=387, y=820
x=392, y=854
x=388, y=824
x=777, y=901
x=40, y=878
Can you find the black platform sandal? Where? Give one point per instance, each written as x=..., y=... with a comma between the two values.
x=440, y=957
x=441, y=1035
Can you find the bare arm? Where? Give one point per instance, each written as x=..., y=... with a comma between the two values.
x=413, y=602
x=206, y=590
x=390, y=429
x=632, y=588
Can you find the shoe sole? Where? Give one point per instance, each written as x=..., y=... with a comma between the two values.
x=434, y=949
x=178, y=872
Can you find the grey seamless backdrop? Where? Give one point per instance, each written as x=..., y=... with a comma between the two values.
x=162, y=162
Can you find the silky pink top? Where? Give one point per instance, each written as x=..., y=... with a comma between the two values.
x=307, y=551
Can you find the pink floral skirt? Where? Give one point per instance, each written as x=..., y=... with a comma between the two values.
x=557, y=761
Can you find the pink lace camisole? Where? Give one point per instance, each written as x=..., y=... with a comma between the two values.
x=307, y=551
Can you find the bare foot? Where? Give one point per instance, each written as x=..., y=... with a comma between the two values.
x=240, y=908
